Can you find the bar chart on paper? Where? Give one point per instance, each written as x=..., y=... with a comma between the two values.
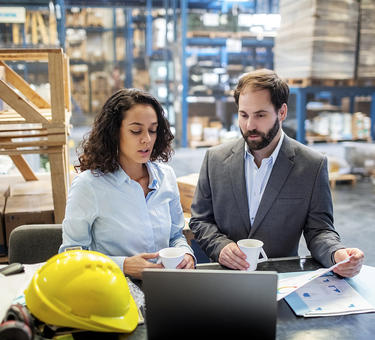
x=328, y=295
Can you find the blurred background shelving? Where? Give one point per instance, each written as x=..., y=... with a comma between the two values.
x=190, y=54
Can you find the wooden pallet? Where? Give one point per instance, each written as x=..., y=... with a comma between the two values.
x=212, y=34
x=303, y=82
x=365, y=82
x=35, y=126
x=335, y=177
x=194, y=144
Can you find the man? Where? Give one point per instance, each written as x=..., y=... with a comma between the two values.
x=266, y=186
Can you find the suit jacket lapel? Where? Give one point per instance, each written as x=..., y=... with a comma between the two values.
x=281, y=169
x=237, y=175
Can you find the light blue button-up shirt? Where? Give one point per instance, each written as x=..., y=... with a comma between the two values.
x=110, y=214
x=257, y=178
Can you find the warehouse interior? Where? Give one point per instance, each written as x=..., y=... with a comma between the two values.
x=190, y=54
x=60, y=60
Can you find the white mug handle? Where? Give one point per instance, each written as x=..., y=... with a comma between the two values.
x=264, y=258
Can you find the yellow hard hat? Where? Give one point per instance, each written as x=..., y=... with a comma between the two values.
x=82, y=289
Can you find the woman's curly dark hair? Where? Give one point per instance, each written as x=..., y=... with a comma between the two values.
x=99, y=149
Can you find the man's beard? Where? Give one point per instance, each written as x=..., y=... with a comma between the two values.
x=266, y=138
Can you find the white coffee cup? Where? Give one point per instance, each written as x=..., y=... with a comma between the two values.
x=252, y=248
x=171, y=257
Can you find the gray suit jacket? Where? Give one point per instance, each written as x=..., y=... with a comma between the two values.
x=296, y=200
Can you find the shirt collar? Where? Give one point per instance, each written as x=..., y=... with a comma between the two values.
x=273, y=156
x=121, y=176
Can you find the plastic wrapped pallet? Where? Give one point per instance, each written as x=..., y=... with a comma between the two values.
x=366, y=64
x=317, y=39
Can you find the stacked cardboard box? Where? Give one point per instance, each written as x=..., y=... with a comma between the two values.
x=366, y=63
x=100, y=90
x=80, y=86
x=79, y=17
x=186, y=187
x=24, y=203
x=317, y=39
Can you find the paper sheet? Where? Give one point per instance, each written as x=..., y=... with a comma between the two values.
x=290, y=284
x=13, y=286
x=329, y=295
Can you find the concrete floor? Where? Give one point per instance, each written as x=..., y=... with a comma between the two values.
x=354, y=207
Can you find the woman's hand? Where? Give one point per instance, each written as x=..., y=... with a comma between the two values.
x=134, y=265
x=187, y=262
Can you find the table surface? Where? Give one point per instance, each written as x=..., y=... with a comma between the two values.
x=289, y=326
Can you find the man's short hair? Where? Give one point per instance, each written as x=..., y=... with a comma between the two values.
x=264, y=79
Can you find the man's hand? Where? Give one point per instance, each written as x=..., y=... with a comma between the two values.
x=186, y=263
x=134, y=265
x=351, y=268
x=232, y=257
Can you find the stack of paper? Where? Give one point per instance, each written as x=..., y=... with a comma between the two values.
x=316, y=39
x=321, y=293
x=328, y=295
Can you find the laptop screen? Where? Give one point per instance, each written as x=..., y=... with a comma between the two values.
x=210, y=304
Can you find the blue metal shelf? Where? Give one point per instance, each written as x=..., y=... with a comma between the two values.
x=246, y=42
x=265, y=59
x=338, y=92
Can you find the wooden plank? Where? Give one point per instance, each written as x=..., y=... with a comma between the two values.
x=19, y=83
x=67, y=166
x=34, y=29
x=56, y=80
x=42, y=28
x=23, y=134
x=53, y=141
x=24, y=168
x=25, y=109
x=67, y=91
x=13, y=120
x=52, y=28
x=27, y=53
x=12, y=114
x=37, y=150
x=16, y=34
x=59, y=184
x=19, y=127
x=27, y=26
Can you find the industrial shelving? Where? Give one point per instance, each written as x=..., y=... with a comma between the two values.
x=335, y=93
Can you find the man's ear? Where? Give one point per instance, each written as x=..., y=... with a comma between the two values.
x=283, y=112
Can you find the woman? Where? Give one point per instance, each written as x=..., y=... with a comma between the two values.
x=123, y=203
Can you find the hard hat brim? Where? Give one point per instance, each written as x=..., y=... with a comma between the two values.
x=124, y=324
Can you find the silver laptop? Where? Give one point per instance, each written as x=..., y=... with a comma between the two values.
x=210, y=304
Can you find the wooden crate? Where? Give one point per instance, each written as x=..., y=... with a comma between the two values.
x=186, y=187
x=34, y=125
x=28, y=209
x=335, y=177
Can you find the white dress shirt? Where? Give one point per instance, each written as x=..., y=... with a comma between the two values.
x=257, y=178
x=110, y=214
